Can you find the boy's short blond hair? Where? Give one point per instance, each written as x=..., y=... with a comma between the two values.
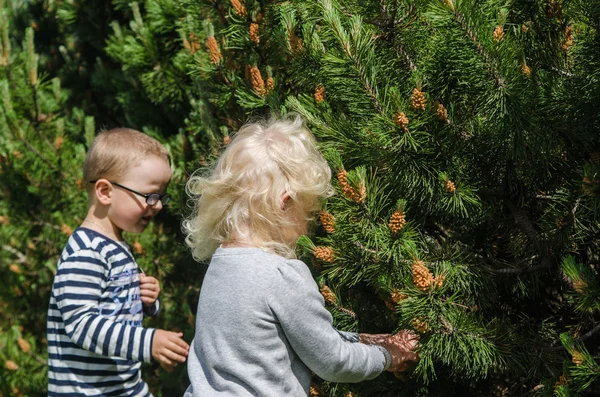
x=115, y=151
x=244, y=190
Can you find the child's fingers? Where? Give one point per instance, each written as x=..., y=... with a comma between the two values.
x=180, y=350
x=174, y=357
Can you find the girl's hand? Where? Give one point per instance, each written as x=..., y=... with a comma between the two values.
x=149, y=290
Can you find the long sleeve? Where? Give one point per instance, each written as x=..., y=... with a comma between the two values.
x=99, y=318
x=300, y=309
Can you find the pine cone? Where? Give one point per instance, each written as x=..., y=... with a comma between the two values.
x=595, y=157
x=498, y=33
x=213, y=50
x=401, y=120
x=238, y=7
x=422, y=277
x=438, y=281
x=441, y=113
x=24, y=345
x=313, y=391
x=563, y=380
x=15, y=268
x=226, y=140
x=58, y=142
x=348, y=190
x=420, y=325
x=137, y=247
x=258, y=84
x=11, y=365
x=449, y=186
x=560, y=222
x=580, y=286
x=79, y=183
x=397, y=221
x=398, y=296
x=66, y=229
x=328, y=221
x=4, y=220
x=554, y=9
x=295, y=43
x=526, y=70
x=18, y=155
x=589, y=185
x=324, y=254
x=254, y=37
x=319, y=93
x=350, y=394
x=578, y=358
x=568, y=41
x=270, y=84
x=328, y=295
x=418, y=100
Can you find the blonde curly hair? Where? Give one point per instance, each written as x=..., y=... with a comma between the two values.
x=241, y=198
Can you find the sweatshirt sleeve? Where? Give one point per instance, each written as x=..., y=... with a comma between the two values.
x=154, y=310
x=308, y=326
x=78, y=290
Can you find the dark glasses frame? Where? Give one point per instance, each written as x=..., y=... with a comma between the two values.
x=151, y=199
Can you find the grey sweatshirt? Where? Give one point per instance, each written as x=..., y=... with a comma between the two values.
x=262, y=327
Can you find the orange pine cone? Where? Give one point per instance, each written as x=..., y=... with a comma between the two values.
x=66, y=229
x=15, y=268
x=254, y=36
x=498, y=34
x=526, y=70
x=324, y=254
x=258, y=84
x=441, y=113
x=238, y=7
x=578, y=358
x=418, y=100
x=11, y=365
x=328, y=295
x=422, y=277
x=313, y=391
x=397, y=221
x=438, y=281
x=568, y=41
x=319, y=93
x=398, y=296
x=213, y=49
x=270, y=84
x=58, y=142
x=328, y=221
x=348, y=190
x=226, y=140
x=137, y=247
x=4, y=220
x=24, y=345
x=420, y=325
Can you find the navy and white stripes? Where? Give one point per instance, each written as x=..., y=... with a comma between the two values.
x=96, y=342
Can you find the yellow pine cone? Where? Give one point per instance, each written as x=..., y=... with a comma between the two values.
x=15, y=268
x=562, y=380
x=258, y=84
x=313, y=391
x=401, y=120
x=580, y=286
x=449, y=186
x=438, y=281
x=324, y=254
x=213, y=50
x=422, y=277
x=66, y=229
x=420, y=325
x=526, y=70
x=4, y=220
x=441, y=113
x=350, y=394
x=328, y=295
x=319, y=93
x=397, y=221
x=254, y=36
x=238, y=7
x=24, y=345
x=226, y=140
x=58, y=142
x=328, y=221
x=418, y=100
x=498, y=33
x=11, y=365
x=192, y=45
x=348, y=190
x=137, y=247
x=578, y=358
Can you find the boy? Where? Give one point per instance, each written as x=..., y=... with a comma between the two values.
x=96, y=342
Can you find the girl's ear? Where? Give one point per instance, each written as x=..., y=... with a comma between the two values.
x=103, y=191
x=285, y=199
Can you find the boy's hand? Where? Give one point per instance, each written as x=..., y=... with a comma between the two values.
x=168, y=348
x=401, y=347
x=149, y=290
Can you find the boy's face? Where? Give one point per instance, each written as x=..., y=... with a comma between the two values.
x=128, y=211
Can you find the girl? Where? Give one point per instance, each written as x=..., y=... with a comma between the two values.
x=261, y=325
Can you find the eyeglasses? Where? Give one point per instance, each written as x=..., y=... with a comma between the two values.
x=151, y=199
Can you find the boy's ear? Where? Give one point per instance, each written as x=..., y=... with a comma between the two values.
x=103, y=191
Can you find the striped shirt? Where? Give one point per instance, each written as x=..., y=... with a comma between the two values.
x=96, y=343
